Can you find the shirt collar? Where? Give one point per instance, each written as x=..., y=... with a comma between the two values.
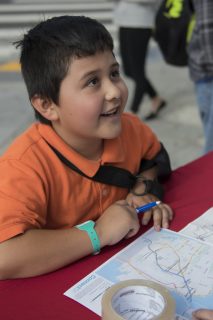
x=112, y=153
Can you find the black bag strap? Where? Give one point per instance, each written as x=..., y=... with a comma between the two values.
x=191, y=5
x=115, y=176
x=161, y=160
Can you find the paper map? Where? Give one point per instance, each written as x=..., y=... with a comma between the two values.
x=201, y=228
x=183, y=264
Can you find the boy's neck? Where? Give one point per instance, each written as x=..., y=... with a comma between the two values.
x=91, y=149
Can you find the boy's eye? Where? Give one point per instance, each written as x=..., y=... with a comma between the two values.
x=92, y=82
x=115, y=74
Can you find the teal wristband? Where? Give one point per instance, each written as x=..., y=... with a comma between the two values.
x=88, y=226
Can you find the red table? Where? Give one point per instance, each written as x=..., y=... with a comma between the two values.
x=189, y=191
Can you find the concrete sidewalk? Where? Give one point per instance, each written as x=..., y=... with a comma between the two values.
x=178, y=125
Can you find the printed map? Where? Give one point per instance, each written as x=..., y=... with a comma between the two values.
x=201, y=228
x=184, y=265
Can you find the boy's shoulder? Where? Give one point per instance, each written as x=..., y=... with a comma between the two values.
x=133, y=122
x=22, y=143
x=134, y=129
x=130, y=119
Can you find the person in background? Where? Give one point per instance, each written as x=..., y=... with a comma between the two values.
x=203, y=314
x=135, y=21
x=200, y=53
x=50, y=214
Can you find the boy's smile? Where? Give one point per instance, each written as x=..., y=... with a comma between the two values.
x=91, y=100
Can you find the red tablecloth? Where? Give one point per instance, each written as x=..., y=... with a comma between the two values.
x=189, y=191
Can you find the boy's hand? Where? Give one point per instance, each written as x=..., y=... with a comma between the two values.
x=117, y=222
x=162, y=214
x=203, y=314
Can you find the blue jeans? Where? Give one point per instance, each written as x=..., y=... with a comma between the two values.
x=204, y=92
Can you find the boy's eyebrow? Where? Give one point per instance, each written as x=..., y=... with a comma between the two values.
x=86, y=75
x=115, y=64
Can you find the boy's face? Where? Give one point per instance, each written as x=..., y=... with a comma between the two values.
x=91, y=100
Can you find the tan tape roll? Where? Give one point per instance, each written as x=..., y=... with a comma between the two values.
x=137, y=299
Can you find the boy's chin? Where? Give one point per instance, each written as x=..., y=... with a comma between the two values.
x=112, y=134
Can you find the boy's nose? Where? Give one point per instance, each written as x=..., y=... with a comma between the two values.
x=112, y=92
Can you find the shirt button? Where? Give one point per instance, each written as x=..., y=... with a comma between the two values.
x=105, y=192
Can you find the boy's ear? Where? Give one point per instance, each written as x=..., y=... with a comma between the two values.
x=45, y=107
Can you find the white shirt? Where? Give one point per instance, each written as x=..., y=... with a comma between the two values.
x=140, y=14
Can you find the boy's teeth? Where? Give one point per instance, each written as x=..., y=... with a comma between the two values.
x=109, y=113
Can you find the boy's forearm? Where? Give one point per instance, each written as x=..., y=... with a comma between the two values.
x=38, y=252
x=149, y=174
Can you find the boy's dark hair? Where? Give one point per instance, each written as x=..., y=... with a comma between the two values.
x=49, y=47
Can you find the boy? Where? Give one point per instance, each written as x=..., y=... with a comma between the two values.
x=74, y=85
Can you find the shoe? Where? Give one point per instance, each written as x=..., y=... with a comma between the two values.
x=152, y=114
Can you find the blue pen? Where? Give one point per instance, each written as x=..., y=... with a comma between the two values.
x=147, y=206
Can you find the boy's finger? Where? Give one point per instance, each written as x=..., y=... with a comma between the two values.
x=157, y=218
x=169, y=210
x=203, y=314
x=146, y=217
x=166, y=217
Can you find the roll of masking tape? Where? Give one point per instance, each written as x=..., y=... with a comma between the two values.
x=137, y=300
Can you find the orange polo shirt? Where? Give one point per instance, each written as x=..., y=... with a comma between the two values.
x=38, y=191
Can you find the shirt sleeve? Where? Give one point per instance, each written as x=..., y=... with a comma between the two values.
x=140, y=138
x=150, y=143
x=23, y=199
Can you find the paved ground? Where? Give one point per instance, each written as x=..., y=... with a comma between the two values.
x=178, y=125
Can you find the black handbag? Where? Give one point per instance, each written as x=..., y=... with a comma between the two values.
x=172, y=25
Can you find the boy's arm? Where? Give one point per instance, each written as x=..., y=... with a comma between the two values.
x=150, y=170
x=149, y=174
x=148, y=189
x=40, y=251
x=162, y=214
